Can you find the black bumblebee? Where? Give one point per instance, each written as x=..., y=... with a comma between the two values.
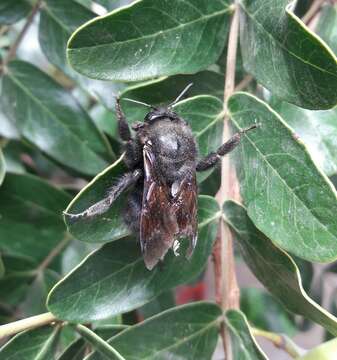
x=162, y=163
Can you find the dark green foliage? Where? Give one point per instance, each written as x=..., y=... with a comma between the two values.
x=60, y=150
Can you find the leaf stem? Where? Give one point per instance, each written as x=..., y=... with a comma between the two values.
x=244, y=83
x=56, y=251
x=26, y=324
x=312, y=12
x=224, y=265
x=12, y=51
x=281, y=341
x=102, y=346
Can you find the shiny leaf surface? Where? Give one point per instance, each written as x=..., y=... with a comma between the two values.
x=50, y=118
x=317, y=129
x=327, y=26
x=30, y=221
x=244, y=345
x=286, y=57
x=286, y=195
x=116, y=280
x=274, y=268
x=151, y=38
x=38, y=344
x=186, y=332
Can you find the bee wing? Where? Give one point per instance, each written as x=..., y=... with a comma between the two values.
x=158, y=224
x=185, y=206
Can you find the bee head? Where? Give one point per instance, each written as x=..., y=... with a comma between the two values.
x=160, y=113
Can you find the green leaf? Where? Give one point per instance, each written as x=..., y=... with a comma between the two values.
x=108, y=331
x=325, y=351
x=75, y=351
x=185, y=332
x=7, y=128
x=50, y=118
x=38, y=344
x=30, y=216
x=34, y=302
x=274, y=268
x=327, y=26
x=286, y=57
x=286, y=196
x=58, y=20
x=105, y=349
x=203, y=113
x=317, y=129
x=12, y=11
x=2, y=167
x=2, y=267
x=116, y=280
x=151, y=38
x=110, y=225
x=162, y=302
x=165, y=90
x=245, y=347
x=254, y=302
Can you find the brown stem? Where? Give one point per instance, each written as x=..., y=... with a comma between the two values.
x=312, y=12
x=223, y=255
x=12, y=51
x=244, y=83
x=56, y=251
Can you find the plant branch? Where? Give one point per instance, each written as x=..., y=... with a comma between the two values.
x=102, y=346
x=224, y=267
x=281, y=341
x=313, y=10
x=244, y=83
x=12, y=51
x=52, y=255
x=26, y=324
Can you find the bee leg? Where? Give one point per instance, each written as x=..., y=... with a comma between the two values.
x=213, y=158
x=123, y=126
x=104, y=205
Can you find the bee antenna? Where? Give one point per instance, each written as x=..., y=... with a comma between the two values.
x=138, y=102
x=181, y=95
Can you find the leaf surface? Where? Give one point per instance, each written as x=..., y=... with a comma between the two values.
x=116, y=280
x=286, y=195
x=187, y=332
x=51, y=119
x=327, y=26
x=244, y=345
x=30, y=216
x=151, y=38
x=12, y=11
x=317, y=129
x=274, y=268
x=285, y=56
x=38, y=344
